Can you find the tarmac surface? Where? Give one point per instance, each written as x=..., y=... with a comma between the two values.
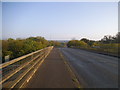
x=53, y=73
x=93, y=70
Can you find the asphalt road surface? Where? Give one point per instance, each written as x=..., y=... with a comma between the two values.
x=93, y=70
x=53, y=73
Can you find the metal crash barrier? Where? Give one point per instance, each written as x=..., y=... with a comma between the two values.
x=17, y=72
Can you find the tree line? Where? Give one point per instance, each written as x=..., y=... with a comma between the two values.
x=19, y=47
x=107, y=44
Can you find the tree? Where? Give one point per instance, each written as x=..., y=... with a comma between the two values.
x=107, y=39
x=55, y=43
x=76, y=43
x=85, y=40
x=111, y=39
x=89, y=42
x=19, y=47
x=117, y=37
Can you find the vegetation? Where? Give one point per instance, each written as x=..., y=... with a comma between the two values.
x=107, y=44
x=19, y=47
x=57, y=44
x=77, y=43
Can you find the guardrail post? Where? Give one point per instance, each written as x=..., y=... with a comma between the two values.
x=44, y=53
x=29, y=61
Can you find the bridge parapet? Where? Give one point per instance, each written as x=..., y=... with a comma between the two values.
x=18, y=71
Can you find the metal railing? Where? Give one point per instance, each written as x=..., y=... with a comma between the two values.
x=18, y=71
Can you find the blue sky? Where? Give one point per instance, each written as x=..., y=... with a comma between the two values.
x=60, y=20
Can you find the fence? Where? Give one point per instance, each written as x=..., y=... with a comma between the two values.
x=17, y=72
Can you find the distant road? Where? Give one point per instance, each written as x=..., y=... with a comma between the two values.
x=93, y=70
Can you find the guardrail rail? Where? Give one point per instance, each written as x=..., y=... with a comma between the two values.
x=17, y=72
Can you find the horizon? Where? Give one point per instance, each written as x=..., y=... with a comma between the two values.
x=58, y=39
x=59, y=20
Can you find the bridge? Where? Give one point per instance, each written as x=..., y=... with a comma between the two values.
x=61, y=68
x=17, y=72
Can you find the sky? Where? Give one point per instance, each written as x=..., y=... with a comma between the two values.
x=59, y=20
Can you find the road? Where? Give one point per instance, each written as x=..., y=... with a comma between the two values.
x=93, y=70
x=53, y=73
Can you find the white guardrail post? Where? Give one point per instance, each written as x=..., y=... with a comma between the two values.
x=15, y=73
